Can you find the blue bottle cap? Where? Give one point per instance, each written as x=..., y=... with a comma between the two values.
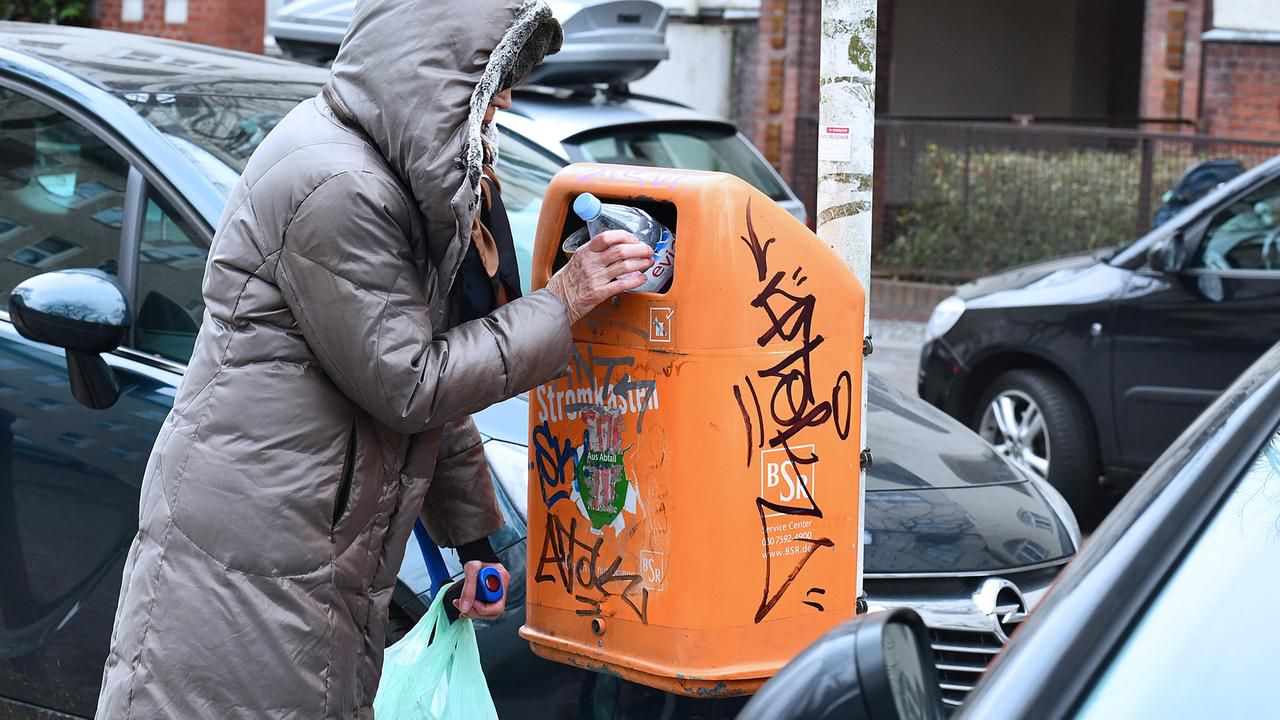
x=489, y=585
x=587, y=207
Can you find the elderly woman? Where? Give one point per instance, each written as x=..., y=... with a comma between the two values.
x=327, y=402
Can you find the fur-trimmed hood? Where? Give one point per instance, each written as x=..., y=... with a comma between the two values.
x=417, y=76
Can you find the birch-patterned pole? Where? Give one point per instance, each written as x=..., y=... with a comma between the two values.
x=846, y=126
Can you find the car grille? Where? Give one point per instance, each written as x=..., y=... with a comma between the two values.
x=962, y=656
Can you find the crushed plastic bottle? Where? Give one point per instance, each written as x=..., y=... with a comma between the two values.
x=600, y=217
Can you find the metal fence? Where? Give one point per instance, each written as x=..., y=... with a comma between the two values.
x=956, y=200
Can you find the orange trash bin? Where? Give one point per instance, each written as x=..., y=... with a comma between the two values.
x=693, y=479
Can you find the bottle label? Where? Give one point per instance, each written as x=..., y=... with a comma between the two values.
x=664, y=258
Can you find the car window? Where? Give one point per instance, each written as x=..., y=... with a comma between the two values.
x=524, y=173
x=1245, y=235
x=694, y=147
x=61, y=193
x=217, y=132
x=170, y=270
x=1206, y=645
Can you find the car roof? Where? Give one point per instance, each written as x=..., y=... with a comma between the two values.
x=124, y=63
x=561, y=112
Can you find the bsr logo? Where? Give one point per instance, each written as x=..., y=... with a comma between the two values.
x=783, y=481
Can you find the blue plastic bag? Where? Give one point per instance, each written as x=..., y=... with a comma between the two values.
x=426, y=678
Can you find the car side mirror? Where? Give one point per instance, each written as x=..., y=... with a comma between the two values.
x=1168, y=255
x=83, y=312
x=877, y=666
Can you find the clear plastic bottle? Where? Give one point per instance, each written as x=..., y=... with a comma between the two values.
x=600, y=217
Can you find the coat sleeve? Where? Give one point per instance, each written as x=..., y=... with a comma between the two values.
x=461, y=505
x=348, y=275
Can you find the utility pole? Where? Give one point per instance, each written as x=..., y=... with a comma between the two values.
x=846, y=127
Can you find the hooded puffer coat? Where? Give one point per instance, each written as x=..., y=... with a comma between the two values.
x=328, y=398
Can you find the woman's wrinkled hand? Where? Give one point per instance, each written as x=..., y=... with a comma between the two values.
x=610, y=263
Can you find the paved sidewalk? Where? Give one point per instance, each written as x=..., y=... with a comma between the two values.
x=897, y=351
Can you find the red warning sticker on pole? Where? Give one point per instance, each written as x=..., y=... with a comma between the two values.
x=835, y=143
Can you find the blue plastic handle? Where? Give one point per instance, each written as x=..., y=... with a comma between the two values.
x=431, y=556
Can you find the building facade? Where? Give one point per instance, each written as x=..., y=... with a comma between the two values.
x=234, y=24
x=1205, y=66
x=1233, y=60
x=1189, y=66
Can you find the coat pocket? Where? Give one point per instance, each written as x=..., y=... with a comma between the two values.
x=344, y=481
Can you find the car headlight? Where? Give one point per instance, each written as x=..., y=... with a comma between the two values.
x=944, y=317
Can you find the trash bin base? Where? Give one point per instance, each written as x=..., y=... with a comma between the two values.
x=714, y=683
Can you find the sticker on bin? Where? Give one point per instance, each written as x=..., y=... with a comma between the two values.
x=653, y=569
x=782, y=481
x=603, y=488
x=660, y=324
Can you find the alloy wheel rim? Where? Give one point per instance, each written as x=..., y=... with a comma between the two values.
x=1014, y=425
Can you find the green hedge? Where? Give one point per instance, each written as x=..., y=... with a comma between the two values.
x=45, y=11
x=1021, y=207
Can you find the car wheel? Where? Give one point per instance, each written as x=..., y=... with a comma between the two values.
x=1039, y=423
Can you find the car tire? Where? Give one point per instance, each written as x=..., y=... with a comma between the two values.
x=1069, y=448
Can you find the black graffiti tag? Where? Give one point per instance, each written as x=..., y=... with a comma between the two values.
x=792, y=403
x=578, y=565
x=769, y=601
x=584, y=375
x=579, y=570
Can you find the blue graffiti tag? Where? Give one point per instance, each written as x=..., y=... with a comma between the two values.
x=557, y=464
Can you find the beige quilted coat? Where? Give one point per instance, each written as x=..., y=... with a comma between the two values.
x=328, y=397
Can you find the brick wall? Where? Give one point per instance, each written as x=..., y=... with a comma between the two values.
x=785, y=125
x=235, y=24
x=1171, y=59
x=1224, y=88
x=1242, y=90
x=804, y=134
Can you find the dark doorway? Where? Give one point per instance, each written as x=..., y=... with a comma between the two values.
x=1063, y=60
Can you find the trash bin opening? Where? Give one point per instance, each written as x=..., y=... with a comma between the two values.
x=661, y=210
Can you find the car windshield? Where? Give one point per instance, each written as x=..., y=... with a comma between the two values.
x=1204, y=647
x=692, y=147
x=217, y=132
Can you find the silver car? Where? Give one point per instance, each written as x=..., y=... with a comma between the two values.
x=545, y=129
x=611, y=42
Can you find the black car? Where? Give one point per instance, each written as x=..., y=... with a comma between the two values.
x=116, y=155
x=1169, y=611
x=1092, y=364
